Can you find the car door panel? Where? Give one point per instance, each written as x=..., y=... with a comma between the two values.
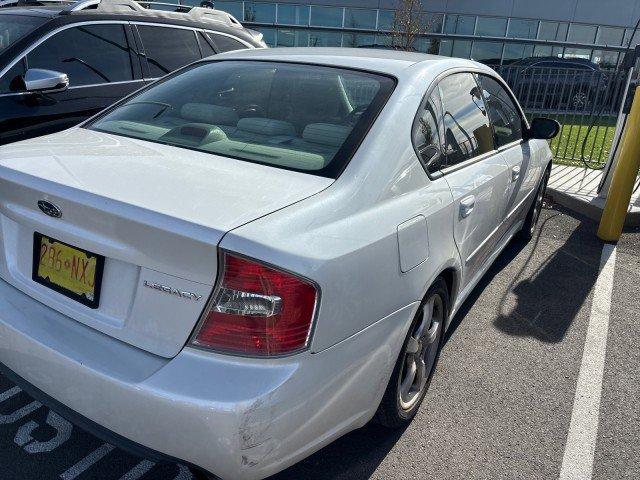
x=508, y=123
x=476, y=173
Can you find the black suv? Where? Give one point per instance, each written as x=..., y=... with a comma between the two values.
x=61, y=62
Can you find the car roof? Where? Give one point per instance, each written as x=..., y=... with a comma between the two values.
x=390, y=62
x=47, y=12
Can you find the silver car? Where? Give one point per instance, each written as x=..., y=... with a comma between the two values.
x=259, y=253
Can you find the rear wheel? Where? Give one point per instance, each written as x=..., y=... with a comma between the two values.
x=415, y=365
x=531, y=220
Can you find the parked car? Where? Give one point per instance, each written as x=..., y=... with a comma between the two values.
x=62, y=62
x=262, y=251
x=551, y=82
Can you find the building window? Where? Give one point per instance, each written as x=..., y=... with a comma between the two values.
x=432, y=22
x=293, y=14
x=358, y=40
x=456, y=48
x=627, y=37
x=487, y=52
x=579, y=33
x=385, y=19
x=321, y=38
x=460, y=24
x=326, y=16
x=522, y=28
x=516, y=51
x=547, y=51
x=234, y=8
x=553, y=31
x=583, y=53
x=292, y=38
x=259, y=12
x=360, y=18
x=610, y=36
x=605, y=58
x=491, y=27
x=427, y=45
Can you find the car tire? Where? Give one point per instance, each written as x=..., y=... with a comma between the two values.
x=417, y=360
x=533, y=215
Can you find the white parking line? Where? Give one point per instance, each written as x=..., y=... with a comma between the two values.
x=577, y=463
x=87, y=462
x=139, y=470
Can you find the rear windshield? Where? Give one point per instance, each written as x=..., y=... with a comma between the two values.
x=299, y=117
x=14, y=27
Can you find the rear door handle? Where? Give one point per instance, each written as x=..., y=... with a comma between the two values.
x=466, y=206
x=515, y=173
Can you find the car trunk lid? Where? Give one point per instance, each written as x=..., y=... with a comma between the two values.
x=155, y=212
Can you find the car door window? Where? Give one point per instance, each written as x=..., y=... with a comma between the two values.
x=467, y=132
x=89, y=54
x=168, y=49
x=226, y=44
x=503, y=112
x=426, y=134
x=205, y=46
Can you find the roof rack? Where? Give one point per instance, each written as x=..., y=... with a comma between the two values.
x=201, y=14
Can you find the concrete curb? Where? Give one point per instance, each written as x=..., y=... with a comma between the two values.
x=590, y=207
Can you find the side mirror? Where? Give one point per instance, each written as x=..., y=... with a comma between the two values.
x=45, y=81
x=543, y=128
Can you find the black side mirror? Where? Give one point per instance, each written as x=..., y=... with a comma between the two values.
x=543, y=128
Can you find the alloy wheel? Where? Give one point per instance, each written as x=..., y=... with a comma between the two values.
x=421, y=352
x=580, y=100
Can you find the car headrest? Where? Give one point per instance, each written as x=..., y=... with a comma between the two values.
x=211, y=114
x=326, y=134
x=266, y=126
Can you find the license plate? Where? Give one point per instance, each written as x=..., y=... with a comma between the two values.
x=68, y=270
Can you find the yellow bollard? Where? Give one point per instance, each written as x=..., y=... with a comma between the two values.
x=624, y=177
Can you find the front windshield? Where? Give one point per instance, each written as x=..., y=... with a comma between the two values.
x=300, y=117
x=14, y=27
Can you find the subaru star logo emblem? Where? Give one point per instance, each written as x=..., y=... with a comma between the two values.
x=49, y=208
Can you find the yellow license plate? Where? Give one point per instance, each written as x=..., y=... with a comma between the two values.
x=68, y=270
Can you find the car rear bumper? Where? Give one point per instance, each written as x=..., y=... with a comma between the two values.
x=234, y=417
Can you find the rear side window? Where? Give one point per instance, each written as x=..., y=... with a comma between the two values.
x=467, y=132
x=168, y=49
x=90, y=54
x=426, y=134
x=205, y=46
x=226, y=44
x=503, y=112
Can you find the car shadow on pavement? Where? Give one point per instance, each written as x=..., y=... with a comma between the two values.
x=550, y=287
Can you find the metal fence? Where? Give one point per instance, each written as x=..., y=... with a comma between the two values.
x=586, y=102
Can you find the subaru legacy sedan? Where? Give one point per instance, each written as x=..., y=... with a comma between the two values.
x=260, y=252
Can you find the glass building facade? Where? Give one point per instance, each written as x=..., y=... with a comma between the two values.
x=495, y=40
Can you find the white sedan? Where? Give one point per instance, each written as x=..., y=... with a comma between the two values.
x=259, y=253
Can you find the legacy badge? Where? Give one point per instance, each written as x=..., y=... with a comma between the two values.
x=172, y=291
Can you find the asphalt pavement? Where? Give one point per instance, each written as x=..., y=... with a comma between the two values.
x=499, y=407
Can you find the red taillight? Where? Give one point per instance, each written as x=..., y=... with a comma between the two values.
x=257, y=310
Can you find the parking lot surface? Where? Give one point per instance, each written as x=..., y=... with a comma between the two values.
x=501, y=405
